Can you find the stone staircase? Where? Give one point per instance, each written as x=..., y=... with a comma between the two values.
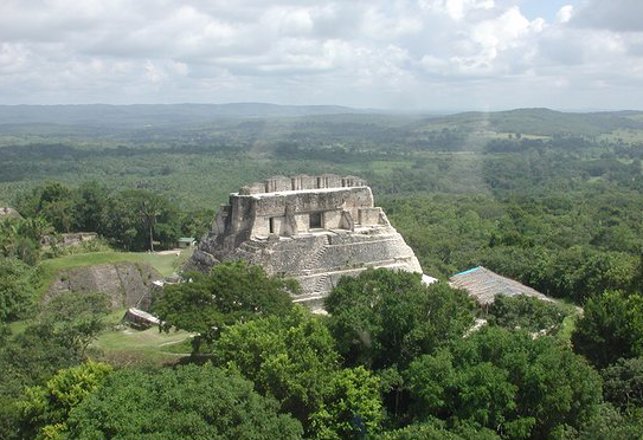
x=313, y=263
x=321, y=285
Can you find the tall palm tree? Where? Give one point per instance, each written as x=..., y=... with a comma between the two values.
x=149, y=208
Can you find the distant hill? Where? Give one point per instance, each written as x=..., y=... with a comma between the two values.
x=540, y=121
x=267, y=121
x=101, y=115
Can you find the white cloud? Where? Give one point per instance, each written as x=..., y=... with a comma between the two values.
x=12, y=57
x=495, y=45
x=499, y=34
x=456, y=9
x=565, y=14
x=289, y=21
x=439, y=53
x=382, y=23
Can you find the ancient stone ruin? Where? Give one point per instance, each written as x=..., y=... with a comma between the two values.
x=126, y=284
x=312, y=228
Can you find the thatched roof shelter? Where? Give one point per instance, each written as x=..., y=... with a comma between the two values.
x=484, y=285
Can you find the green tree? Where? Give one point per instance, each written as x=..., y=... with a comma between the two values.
x=27, y=359
x=196, y=223
x=436, y=430
x=528, y=313
x=424, y=431
x=56, y=204
x=74, y=319
x=481, y=393
x=351, y=408
x=46, y=408
x=137, y=218
x=16, y=289
x=16, y=241
x=232, y=292
x=123, y=226
x=623, y=383
x=8, y=236
x=185, y=402
x=507, y=382
x=607, y=424
x=611, y=328
x=292, y=357
x=35, y=228
x=383, y=318
x=91, y=208
x=149, y=208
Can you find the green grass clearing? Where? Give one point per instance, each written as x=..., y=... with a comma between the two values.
x=122, y=345
x=126, y=345
x=512, y=136
x=164, y=263
x=625, y=135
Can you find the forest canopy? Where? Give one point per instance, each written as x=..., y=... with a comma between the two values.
x=553, y=200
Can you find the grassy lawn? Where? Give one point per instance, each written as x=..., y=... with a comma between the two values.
x=124, y=345
x=164, y=263
x=128, y=346
x=121, y=345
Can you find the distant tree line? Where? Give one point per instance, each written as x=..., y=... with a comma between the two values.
x=132, y=220
x=573, y=245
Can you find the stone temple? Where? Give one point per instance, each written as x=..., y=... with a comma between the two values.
x=315, y=229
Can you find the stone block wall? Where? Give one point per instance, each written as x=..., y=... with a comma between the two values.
x=277, y=184
x=301, y=182
x=369, y=216
x=332, y=219
x=302, y=221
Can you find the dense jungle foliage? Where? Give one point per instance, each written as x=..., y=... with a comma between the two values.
x=551, y=199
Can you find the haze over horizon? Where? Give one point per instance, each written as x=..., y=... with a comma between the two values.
x=424, y=55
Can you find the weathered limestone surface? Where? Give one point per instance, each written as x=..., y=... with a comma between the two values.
x=312, y=228
x=126, y=284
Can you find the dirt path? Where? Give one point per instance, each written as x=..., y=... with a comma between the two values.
x=176, y=252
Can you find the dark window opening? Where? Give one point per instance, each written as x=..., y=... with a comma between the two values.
x=315, y=220
x=272, y=225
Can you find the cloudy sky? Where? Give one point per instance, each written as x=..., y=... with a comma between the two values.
x=396, y=54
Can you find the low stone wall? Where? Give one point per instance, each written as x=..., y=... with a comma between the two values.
x=301, y=182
